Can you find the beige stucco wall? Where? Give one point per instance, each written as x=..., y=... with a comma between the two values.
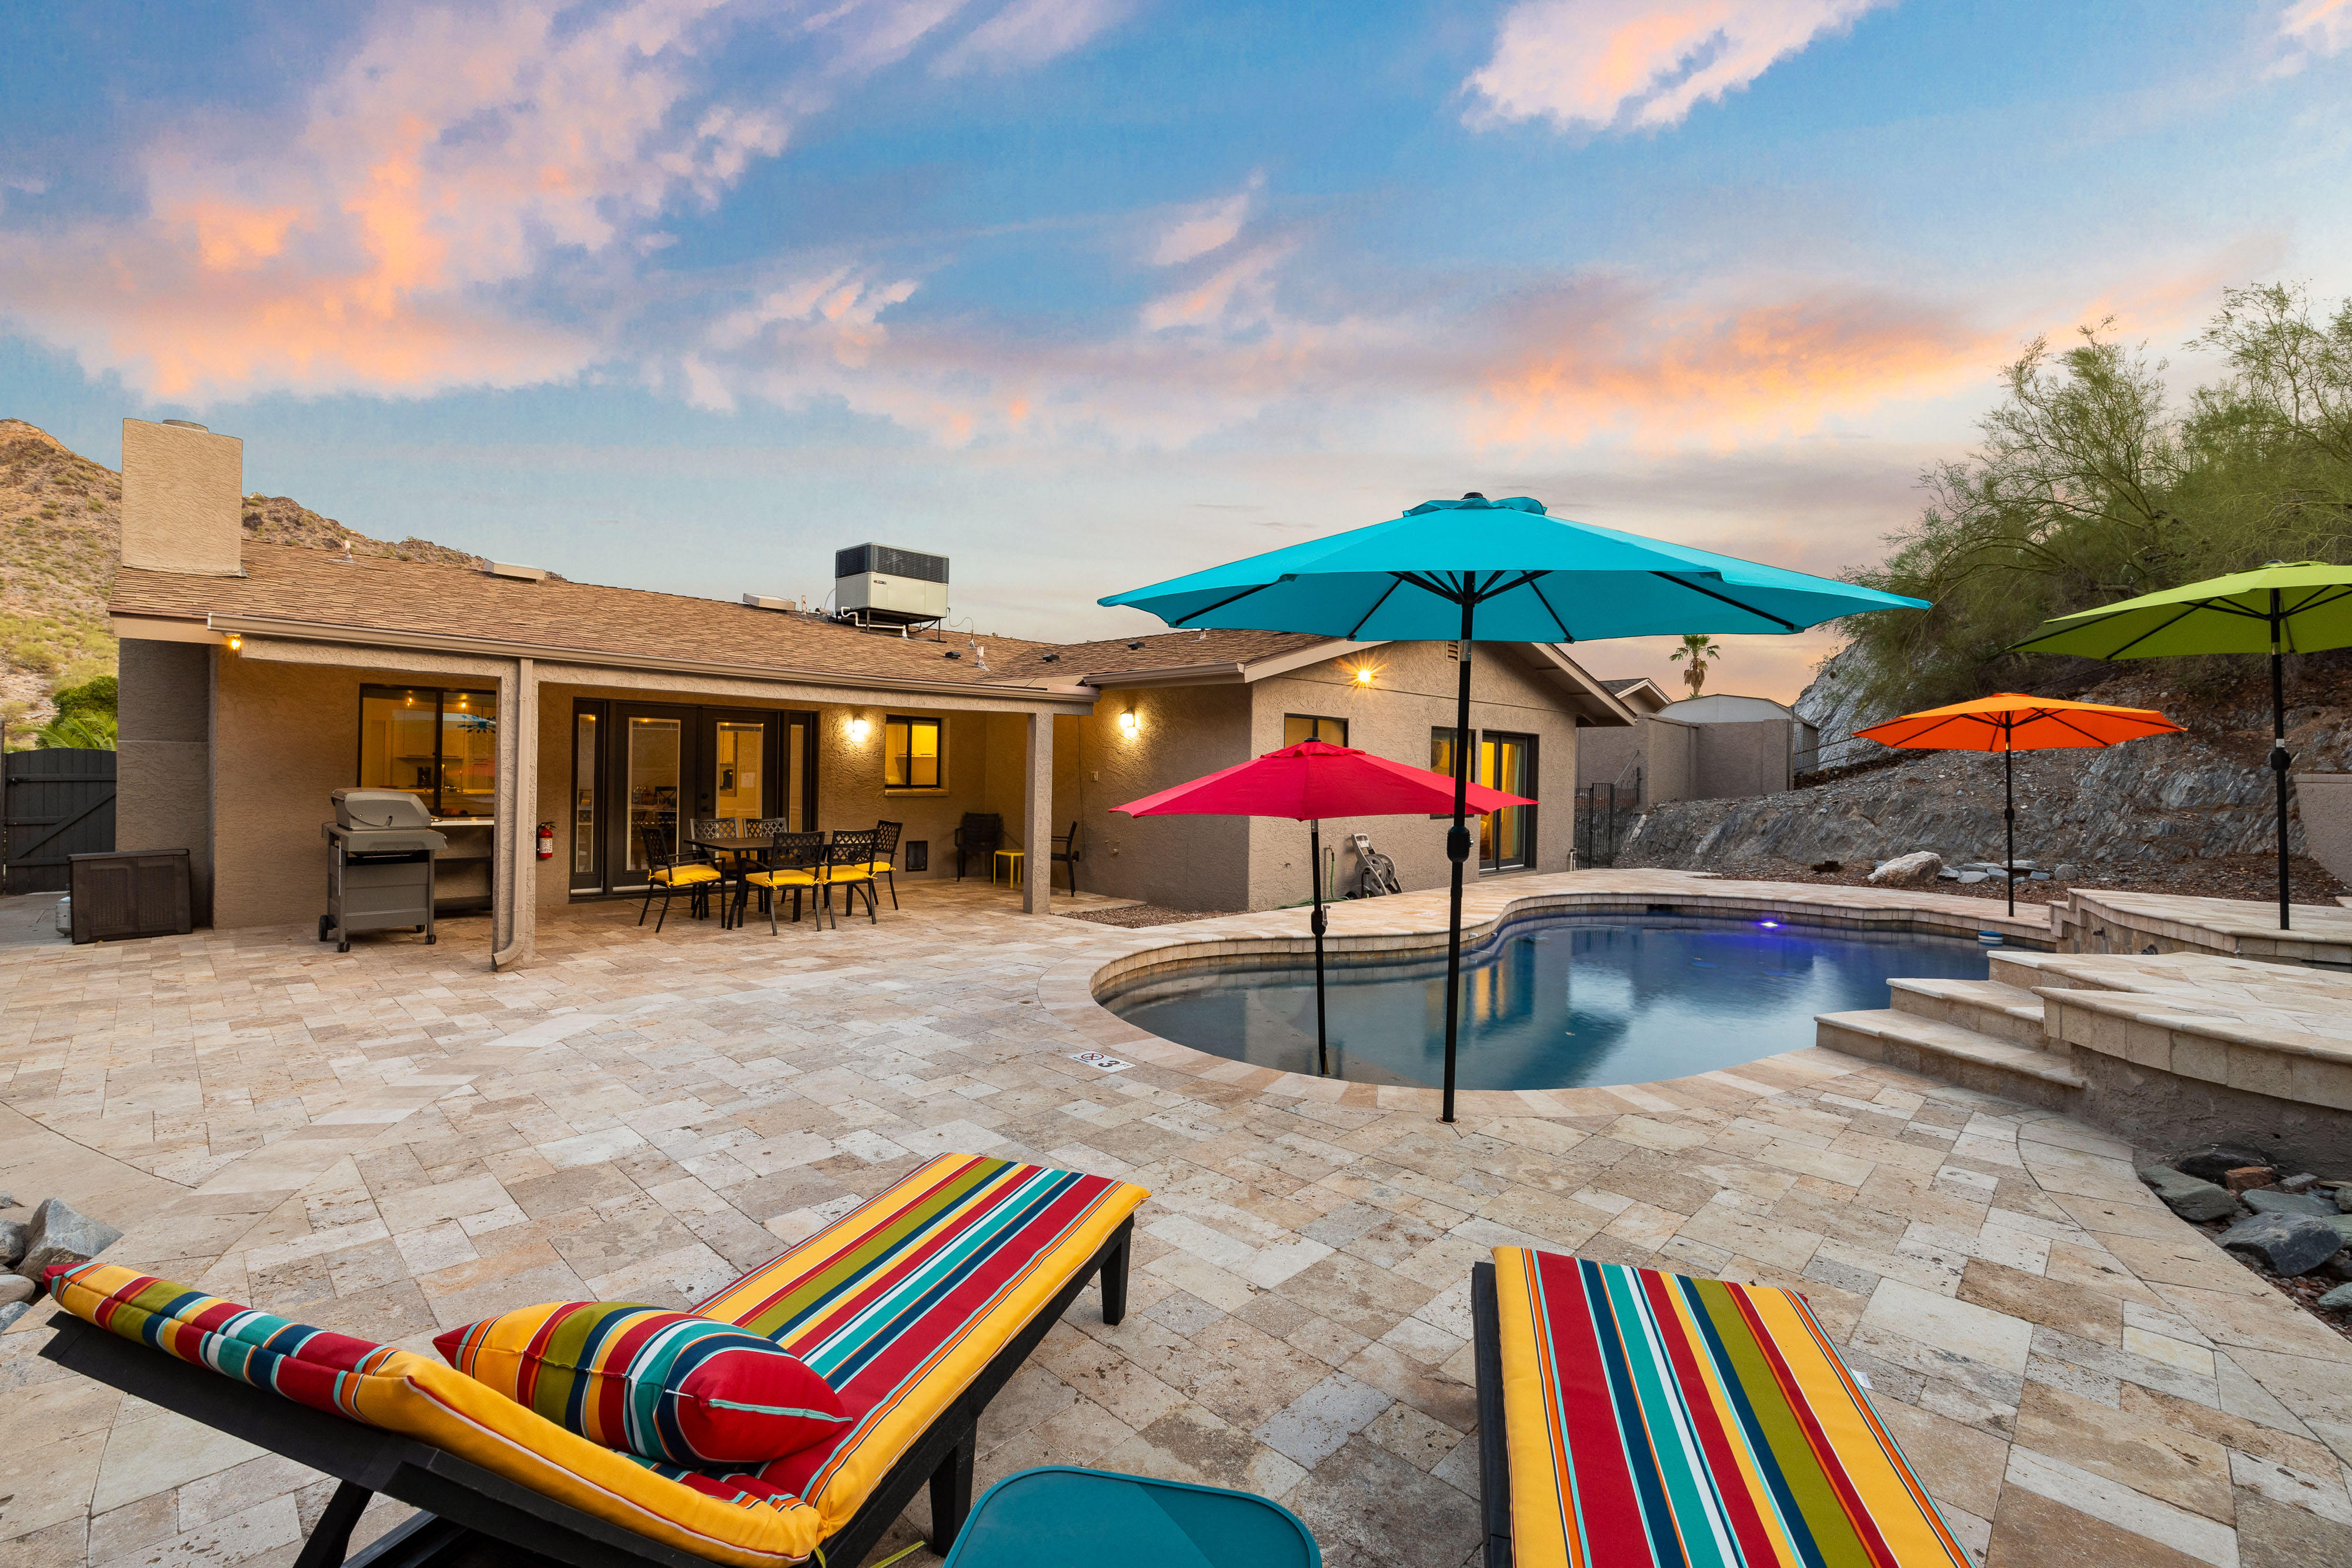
x=1181, y=732
x=162, y=763
x=285, y=738
x=1665, y=752
x=183, y=496
x=1740, y=759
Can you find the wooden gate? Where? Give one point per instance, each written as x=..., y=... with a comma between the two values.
x=53, y=803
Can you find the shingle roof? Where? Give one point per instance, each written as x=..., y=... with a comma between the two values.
x=428, y=599
x=431, y=599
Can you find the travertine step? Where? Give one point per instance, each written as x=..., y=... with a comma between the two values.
x=1956, y=1055
x=1988, y=1007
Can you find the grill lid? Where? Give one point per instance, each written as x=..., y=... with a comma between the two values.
x=380, y=809
x=384, y=841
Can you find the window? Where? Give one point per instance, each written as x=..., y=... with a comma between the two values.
x=1298, y=727
x=440, y=743
x=910, y=753
x=1441, y=758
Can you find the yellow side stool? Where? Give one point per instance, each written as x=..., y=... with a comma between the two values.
x=1014, y=877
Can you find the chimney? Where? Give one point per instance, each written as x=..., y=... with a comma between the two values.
x=182, y=498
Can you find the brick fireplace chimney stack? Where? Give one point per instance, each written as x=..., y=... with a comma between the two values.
x=182, y=498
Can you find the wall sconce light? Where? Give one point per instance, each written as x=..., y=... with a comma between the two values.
x=1129, y=723
x=235, y=642
x=859, y=729
x=1363, y=675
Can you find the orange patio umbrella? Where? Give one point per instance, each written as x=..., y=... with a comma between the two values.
x=2012, y=722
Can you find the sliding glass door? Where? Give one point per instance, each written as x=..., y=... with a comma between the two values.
x=643, y=774
x=1506, y=838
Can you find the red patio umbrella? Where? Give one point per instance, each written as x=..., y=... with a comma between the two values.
x=1307, y=783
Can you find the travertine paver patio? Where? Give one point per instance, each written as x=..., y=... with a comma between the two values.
x=394, y=1140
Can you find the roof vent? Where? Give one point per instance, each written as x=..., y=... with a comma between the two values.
x=1131, y=647
x=1049, y=658
x=955, y=653
x=756, y=602
x=519, y=573
x=187, y=425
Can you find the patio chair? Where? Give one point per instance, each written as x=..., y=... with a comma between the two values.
x=914, y=1361
x=1066, y=854
x=693, y=874
x=794, y=863
x=884, y=863
x=982, y=834
x=849, y=866
x=1618, y=1408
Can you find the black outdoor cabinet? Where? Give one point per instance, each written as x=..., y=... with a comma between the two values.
x=129, y=892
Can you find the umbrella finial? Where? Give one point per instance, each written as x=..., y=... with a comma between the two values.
x=1473, y=495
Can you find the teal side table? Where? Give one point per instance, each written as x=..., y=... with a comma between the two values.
x=1059, y=1516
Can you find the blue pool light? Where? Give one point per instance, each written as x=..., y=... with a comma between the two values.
x=1769, y=925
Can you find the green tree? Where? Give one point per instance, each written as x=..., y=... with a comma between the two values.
x=84, y=716
x=2088, y=485
x=1698, y=648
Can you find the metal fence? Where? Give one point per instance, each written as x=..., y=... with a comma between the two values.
x=53, y=803
x=1602, y=814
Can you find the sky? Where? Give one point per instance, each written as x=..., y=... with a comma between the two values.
x=1085, y=294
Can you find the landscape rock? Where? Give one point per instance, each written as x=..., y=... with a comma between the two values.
x=62, y=1234
x=2188, y=1198
x=2338, y=1299
x=1902, y=870
x=9, y=1314
x=2249, y=1179
x=2211, y=1161
x=15, y=1288
x=2303, y=1183
x=8, y=1200
x=1970, y=877
x=13, y=1233
x=2288, y=1244
x=2344, y=1198
x=2065, y=874
x=2271, y=1200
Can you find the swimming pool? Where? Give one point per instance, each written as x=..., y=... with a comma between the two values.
x=1553, y=1002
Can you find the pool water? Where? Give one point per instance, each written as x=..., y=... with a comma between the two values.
x=1553, y=1003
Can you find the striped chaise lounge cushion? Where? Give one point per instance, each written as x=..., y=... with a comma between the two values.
x=415, y=1395
x=1653, y=1419
x=900, y=1304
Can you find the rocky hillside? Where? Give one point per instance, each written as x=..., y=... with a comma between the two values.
x=59, y=516
x=2195, y=806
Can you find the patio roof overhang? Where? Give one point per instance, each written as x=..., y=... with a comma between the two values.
x=1021, y=695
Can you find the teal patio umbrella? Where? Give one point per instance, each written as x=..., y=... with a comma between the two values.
x=1506, y=571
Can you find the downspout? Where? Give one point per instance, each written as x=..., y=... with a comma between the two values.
x=514, y=891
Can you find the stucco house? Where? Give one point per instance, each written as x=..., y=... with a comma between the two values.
x=255, y=679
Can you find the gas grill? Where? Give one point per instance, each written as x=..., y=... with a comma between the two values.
x=381, y=876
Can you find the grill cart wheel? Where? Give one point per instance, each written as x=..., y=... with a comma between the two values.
x=344, y=945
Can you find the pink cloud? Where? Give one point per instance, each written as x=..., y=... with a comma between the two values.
x=1598, y=63
x=1210, y=226
x=1030, y=32
x=2317, y=27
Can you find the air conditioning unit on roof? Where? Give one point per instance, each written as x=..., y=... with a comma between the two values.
x=877, y=585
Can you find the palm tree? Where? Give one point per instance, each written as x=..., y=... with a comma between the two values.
x=1698, y=650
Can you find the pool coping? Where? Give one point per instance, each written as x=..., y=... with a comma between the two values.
x=1402, y=924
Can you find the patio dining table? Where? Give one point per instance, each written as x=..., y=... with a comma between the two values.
x=736, y=847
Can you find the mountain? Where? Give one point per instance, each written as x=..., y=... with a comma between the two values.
x=59, y=518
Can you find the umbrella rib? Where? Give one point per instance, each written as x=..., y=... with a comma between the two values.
x=2056, y=718
x=1220, y=604
x=1375, y=609
x=1727, y=599
x=2185, y=614
x=1522, y=581
x=1565, y=634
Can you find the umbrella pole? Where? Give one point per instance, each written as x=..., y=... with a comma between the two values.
x=1457, y=850
x=2009, y=817
x=2278, y=749
x=1315, y=870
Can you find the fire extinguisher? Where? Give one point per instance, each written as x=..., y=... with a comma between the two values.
x=547, y=840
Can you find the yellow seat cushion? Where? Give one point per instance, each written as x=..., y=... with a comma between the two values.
x=685, y=876
x=781, y=878
x=871, y=868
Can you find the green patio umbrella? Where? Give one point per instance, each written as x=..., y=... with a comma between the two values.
x=1456, y=569
x=2286, y=607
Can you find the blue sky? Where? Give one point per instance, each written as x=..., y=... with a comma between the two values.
x=1086, y=293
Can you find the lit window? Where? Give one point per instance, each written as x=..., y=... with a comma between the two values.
x=1298, y=727
x=910, y=753
x=441, y=745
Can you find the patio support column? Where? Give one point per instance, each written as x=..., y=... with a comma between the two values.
x=514, y=864
x=1037, y=819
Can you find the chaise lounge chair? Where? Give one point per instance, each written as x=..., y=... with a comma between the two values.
x=1628, y=1417
x=916, y=1308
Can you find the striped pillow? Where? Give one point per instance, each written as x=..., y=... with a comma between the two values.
x=667, y=1385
